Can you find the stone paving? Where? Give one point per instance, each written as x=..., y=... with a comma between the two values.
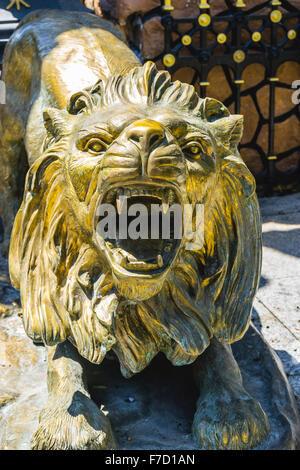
x=277, y=306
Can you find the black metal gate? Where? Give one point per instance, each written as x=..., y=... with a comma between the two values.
x=271, y=44
x=236, y=45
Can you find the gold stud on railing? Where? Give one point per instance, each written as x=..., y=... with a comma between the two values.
x=239, y=56
x=273, y=79
x=204, y=83
x=256, y=36
x=18, y=4
x=275, y=3
x=203, y=4
x=291, y=34
x=168, y=5
x=186, y=40
x=272, y=157
x=169, y=60
x=239, y=81
x=204, y=20
x=221, y=38
x=239, y=4
x=275, y=16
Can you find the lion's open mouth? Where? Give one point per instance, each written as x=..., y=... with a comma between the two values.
x=146, y=235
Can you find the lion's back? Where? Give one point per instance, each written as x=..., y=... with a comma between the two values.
x=54, y=54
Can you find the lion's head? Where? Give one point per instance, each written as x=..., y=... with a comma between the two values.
x=156, y=142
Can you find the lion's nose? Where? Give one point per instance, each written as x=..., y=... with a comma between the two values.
x=146, y=133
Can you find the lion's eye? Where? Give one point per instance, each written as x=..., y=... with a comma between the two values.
x=95, y=146
x=193, y=150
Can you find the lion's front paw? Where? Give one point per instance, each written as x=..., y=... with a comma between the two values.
x=235, y=425
x=81, y=426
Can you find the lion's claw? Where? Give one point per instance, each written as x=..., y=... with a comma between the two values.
x=240, y=424
x=85, y=428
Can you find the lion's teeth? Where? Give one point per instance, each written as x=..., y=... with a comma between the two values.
x=171, y=197
x=109, y=197
x=131, y=258
x=119, y=192
x=165, y=204
x=160, y=262
x=120, y=204
x=119, y=258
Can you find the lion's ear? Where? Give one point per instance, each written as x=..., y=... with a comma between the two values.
x=229, y=130
x=56, y=122
x=212, y=110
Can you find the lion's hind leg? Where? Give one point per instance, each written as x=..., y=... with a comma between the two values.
x=70, y=420
x=227, y=417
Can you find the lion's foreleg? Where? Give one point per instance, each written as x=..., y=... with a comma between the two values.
x=70, y=420
x=227, y=417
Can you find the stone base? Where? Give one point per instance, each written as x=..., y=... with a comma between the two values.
x=152, y=410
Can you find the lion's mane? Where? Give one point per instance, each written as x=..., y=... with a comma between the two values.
x=66, y=288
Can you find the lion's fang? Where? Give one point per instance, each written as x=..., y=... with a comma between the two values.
x=160, y=262
x=120, y=203
x=165, y=203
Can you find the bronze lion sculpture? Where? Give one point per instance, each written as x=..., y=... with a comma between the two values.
x=131, y=131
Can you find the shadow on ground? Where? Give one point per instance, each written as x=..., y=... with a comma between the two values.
x=286, y=241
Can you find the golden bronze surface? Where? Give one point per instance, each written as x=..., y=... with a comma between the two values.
x=18, y=4
x=92, y=122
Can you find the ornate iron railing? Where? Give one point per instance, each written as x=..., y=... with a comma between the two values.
x=229, y=40
x=238, y=45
